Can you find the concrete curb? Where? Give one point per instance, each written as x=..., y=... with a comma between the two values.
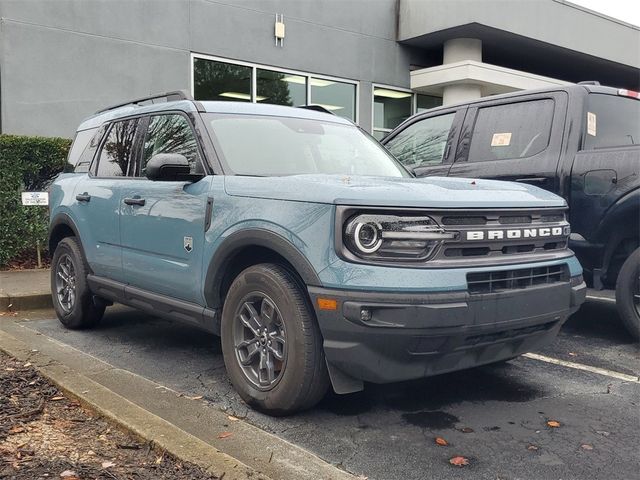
x=35, y=301
x=132, y=417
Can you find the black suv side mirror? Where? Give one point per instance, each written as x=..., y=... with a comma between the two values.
x=168, y=166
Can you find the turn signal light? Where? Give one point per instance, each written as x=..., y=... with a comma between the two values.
x=327, y=304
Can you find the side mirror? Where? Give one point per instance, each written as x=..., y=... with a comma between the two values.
x=168, y=166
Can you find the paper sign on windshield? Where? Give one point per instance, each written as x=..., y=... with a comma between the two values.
x=501, y=139
x=591, y=123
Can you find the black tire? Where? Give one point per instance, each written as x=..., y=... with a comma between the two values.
x=302, y=378
x=81, y=312
x=628, y=294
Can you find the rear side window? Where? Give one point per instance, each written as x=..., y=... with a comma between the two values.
x=422, y=143
x=80, y=143
x=117, y=149
x=83, y=151
x=611, y=121
x=516, y=130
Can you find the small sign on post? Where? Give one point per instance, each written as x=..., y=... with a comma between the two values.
x=35, y=198
x=38, y=199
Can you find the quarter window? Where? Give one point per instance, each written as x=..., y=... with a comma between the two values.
x=423, y=143
x=171, y=134
x=517, y=130
x=117, y=149
x=611, y=122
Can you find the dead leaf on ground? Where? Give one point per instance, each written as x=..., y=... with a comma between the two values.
x=68, y=474
x=9, y=369
x=108, y=464
x=225, y=435
x=28, y=364
x=586, y=446
x=232, y=418
x=553, y=424
x=55, y=399
x=602, y=432
x=467, y=430
x=441, y=441
x=16, y=429
x=572, y=354
x=197, y=397
x=533, y=448
x=459, y=461
x=159, y=459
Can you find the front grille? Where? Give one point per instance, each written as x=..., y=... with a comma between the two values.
x=499, y=235
x=500, y=281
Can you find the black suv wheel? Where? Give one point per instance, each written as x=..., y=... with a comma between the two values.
x=271, y=342
x=628, y=294
x=72, y=299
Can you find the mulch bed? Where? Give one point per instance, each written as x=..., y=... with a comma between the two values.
x=45, y=435
x=27, y=261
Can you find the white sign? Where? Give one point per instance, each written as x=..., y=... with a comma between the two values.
x=501, y=139
x=591, y=123
x=35, y=198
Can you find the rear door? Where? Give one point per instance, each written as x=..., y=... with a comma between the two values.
x=163, y=222
x=517, y=139
x=97, y=196
x=426, y=143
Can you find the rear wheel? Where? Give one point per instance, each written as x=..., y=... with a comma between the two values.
x=628, y=294
x=271, y=342
x=72, y=299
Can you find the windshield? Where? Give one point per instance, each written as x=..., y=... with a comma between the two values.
x=274, y=146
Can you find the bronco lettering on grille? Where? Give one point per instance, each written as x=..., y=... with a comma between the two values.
x=514, y=233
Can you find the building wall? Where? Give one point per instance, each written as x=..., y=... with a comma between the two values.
x=61, y=61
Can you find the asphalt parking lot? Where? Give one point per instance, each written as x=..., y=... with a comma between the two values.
x=496, y=416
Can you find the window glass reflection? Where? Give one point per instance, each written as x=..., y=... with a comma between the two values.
x=116, y=151
x=281, y=88
x=170, y=134
x=425, y=102
x=337, y=97
x=221, y=81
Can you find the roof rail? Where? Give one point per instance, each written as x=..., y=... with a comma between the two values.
x=317, y=108
x=168, y=97
x=589, y=82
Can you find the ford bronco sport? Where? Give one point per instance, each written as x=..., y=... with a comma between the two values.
x=314, y=255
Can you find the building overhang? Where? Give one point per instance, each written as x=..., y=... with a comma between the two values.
x=491, y=78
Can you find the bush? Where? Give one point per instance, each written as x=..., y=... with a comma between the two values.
x=26, y=164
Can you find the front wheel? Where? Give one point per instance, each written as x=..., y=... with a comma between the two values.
x=628, y=294
x=271, y=343
x=72, y=299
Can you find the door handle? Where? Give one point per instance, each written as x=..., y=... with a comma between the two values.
x=135, y=201
x=83, y=197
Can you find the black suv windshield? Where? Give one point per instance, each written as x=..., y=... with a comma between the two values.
x=272, y=146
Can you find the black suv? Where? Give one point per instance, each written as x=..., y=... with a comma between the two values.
x=579, y=141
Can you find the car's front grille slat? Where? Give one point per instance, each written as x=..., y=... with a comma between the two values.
x=498, y=281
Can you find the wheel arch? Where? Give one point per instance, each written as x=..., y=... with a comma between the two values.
x=61, y=226
x=248, y=247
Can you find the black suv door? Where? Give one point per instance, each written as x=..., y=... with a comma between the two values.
x=517, y=138
x=425, y=143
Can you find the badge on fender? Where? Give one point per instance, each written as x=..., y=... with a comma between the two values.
x=188, y=244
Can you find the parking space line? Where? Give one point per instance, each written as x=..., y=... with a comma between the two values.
x=602, y=299
x=586, y=368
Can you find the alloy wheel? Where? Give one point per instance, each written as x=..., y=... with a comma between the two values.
x=66, y=283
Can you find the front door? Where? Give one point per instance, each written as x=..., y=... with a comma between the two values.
x=162, y=222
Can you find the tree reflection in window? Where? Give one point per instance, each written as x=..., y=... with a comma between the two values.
x=116, y=151
x=170, y=134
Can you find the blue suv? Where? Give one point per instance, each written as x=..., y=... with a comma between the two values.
x=305, y=245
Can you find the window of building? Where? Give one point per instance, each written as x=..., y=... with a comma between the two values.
x=214, y=80
x=170, y=134
x=390, y=109
x=516, y=130
x=217, y=79
x=425, y=102
x=117, y=149
x=611, y=121
x=281, y=88
x=337, y=97
x=422, y=143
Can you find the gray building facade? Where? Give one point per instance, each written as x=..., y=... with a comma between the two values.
x=374, y=61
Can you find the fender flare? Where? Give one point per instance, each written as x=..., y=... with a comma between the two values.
x=253, y=237
x=61, y=219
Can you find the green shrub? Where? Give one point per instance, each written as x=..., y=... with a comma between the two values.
x=26, y=164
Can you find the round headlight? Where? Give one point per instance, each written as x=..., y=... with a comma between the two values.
x=367, y=237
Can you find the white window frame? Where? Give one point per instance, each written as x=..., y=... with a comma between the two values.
x=254, y=82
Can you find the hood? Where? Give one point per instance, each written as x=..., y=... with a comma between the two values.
x=426, y=192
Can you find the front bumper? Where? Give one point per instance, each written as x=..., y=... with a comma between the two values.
x=411, y=336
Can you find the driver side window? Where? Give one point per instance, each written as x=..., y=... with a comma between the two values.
x=422, y=143
x=170, y=133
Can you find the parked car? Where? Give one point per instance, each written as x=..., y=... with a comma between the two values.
x=580, y=141
x=305, y=245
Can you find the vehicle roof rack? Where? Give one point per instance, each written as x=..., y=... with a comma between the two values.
x=165, y=97
x=317, y=108
x=589, y=82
